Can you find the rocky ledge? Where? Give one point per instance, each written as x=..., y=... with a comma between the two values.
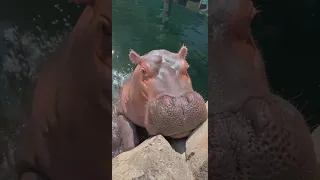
x=187, y=159
x=158, y=158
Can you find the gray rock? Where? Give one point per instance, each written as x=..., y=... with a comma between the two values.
x=151, y=160
x=197, y=152
x=157, y=158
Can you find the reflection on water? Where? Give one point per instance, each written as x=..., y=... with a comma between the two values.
x=138, y=25
x=27, y=36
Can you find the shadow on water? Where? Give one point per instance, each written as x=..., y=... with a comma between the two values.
x=28, y=33
x=141, y=25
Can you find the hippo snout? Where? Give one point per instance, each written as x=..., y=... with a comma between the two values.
x=175, y=117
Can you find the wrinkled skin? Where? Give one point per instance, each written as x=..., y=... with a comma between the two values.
x=159, y=98
x=67, y=136
x=253, y=134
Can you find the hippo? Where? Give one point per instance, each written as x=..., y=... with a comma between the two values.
x=68, y=131
x=253, y=133
x=159, y=97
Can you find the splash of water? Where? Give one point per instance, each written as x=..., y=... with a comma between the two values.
x=118, y=78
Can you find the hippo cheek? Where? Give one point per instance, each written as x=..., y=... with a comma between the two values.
x=175, y=117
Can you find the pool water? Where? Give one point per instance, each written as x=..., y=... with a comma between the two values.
x=138, y=25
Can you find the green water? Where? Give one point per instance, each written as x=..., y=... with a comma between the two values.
x=138, y=25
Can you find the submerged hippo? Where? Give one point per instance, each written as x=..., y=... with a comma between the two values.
x=159, y=97
x=253, y=134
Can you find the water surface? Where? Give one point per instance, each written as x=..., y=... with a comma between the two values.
x=138, y=25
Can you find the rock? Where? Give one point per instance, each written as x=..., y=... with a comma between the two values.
x=152, y=159
x=197, y=152
x=316, y=141
x=158, y=158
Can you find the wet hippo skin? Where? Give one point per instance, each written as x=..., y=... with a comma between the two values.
x=68, y=131
x=158, y=97
x=253, y=134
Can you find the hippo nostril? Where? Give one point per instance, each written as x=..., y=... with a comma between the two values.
x=166, y=100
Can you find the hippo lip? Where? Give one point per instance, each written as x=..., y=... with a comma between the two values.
x=181, y=134
x=175, y=116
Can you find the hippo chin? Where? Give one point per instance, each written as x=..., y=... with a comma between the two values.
x=159, y=97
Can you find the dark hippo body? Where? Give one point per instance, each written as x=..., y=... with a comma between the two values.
x=159, y=98
x=253, y=134
x=67, y=137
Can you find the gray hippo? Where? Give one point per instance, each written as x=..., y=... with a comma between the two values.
x=158, y=97
x=253, y=133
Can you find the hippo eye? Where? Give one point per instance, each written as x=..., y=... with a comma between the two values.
x=186, y=74
x=184, y=70
x=144, y=74
x=143, y=71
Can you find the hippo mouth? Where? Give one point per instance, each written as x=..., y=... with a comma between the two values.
x=175, y=117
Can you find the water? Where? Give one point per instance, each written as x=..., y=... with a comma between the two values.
x=27, y=36
x=138, y=25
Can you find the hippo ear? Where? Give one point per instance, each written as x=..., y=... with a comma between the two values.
x=183, y=52
x=134, y=57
